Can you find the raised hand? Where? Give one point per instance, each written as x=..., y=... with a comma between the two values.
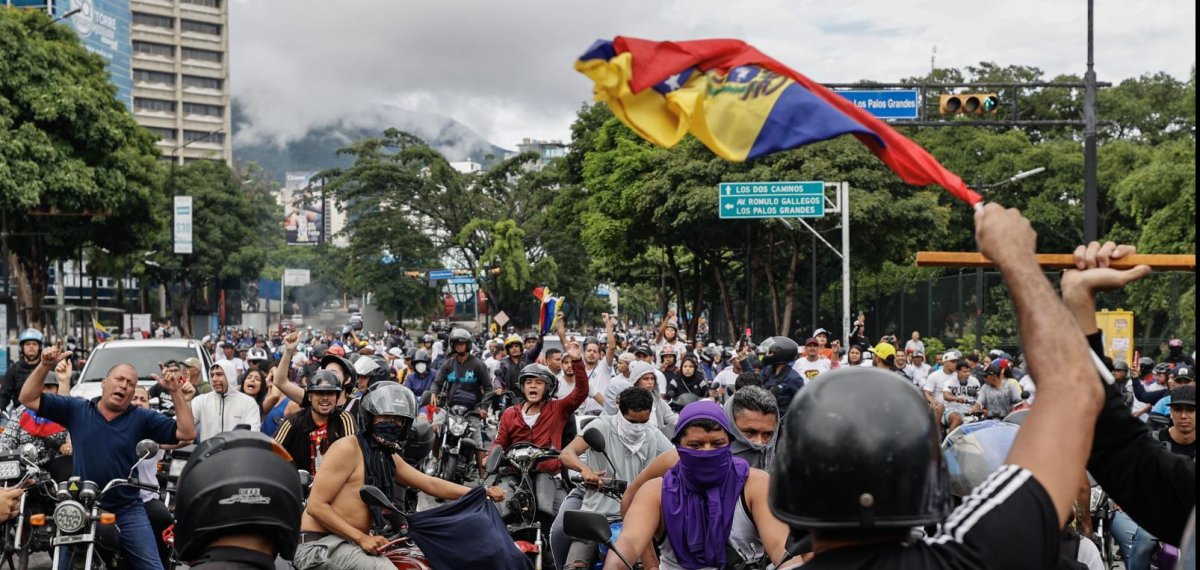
x=1092, y=272
x=1004, y=235
x=53, y=355
x=291, y=341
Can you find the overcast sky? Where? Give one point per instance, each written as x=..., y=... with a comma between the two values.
x=505, y=69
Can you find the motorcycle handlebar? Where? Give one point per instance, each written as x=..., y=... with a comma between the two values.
x=613, y=485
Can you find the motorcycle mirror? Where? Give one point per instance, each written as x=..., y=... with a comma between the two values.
x=372, y=496
x=493, y=460
x=147, y=448
x=584, y=525
x=594, y=439
x=29, y=453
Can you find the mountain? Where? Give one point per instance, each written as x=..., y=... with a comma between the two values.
x=317, y=149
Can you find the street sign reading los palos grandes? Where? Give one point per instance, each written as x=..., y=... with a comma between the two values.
x=886, y=103
x=743, y=200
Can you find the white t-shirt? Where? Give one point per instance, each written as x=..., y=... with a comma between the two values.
x=590, y=404
x=914, y=345
x=726, y=377
x=935, y=383
x=968, y=390
x=1027, y=385
x=808, y=369
x=918, y=373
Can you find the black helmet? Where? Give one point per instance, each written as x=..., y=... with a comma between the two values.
x=388, y=399
x=323, y=381
x=1120, y=365
x=427, y=339
x=1162, y=368
x=373, y=368
x=859, y=449
x=779, y=350
x=530, y=336
x=710, y=353
x=643, y=350
x=459, y=335
x=238, y=482
x=348, y=373
x=1145, y=362
x=421, y=356
x=543, y=373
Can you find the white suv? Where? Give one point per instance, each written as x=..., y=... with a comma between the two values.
x=144, y=355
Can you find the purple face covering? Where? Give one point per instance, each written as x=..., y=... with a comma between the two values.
x=700, y=494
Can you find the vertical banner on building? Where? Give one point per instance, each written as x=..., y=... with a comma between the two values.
x=183, y=224
x=103, y=27
x=303, y=209
x=4, y=334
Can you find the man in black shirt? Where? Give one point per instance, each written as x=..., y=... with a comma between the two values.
x=463, y=380
x=864, y=467
x=1180, y=438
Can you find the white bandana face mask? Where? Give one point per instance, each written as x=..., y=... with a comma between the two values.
x=632, y=435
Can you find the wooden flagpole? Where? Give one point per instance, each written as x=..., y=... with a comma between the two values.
x=1157, y=262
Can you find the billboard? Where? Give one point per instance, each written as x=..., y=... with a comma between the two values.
x=103, y=27
x=303, y=209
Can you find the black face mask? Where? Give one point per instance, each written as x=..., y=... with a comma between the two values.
x=390, y=435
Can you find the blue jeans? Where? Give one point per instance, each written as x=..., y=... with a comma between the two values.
x=137, y=539
x=1135, y=543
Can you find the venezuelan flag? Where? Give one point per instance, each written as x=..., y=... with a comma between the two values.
x=742, y=104
x=549, y=311
x=102, y=333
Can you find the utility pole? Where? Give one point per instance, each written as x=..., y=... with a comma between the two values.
x=1090, y=192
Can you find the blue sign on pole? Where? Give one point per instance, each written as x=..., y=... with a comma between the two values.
x=461, y=281
x=103, y=27
x=746, y=200
x=886, y=104
x=440, y=274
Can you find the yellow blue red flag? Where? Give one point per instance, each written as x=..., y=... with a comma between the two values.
x=102, y=333
x=742, y=104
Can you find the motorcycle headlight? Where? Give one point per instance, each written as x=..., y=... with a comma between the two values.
x=458, y=427
x=10, y=470
x=1097, y=495
x=176, y=467
x=70, y=516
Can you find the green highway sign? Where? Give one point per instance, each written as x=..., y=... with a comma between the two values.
x=746, y=200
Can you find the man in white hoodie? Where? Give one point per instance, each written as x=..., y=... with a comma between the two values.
x=224, y=407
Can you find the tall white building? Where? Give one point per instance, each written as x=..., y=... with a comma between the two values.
x=180, y=69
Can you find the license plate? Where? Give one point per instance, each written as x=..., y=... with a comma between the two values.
x=71, y=539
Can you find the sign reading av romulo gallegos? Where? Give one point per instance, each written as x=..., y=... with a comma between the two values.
x=742, y=200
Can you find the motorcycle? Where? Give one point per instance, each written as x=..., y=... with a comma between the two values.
x=1102, y=509
x=79, y=523
x=18, y=468
x=586, y=553
x=530, y=506
x=171, y=465
x=416, y=450
x=400, y=551
x=458, y=448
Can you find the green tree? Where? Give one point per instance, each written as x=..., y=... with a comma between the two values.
x=70, y=149
x=230, y=237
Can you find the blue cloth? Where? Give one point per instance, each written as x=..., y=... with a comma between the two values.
x=440, y=532
x=419, y=384
x=274, y=418
x=1162, y=407
x=105, y=450
x=784, y=387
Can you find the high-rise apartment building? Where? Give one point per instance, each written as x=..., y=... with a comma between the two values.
x=170, y=62
x=180, y=68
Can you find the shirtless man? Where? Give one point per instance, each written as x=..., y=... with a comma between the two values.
x=335, y=530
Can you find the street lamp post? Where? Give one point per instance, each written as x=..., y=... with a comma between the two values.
x=64, y=16
x=979, y=272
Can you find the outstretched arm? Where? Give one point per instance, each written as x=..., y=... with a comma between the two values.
x=292, y=391
x=1056, y=438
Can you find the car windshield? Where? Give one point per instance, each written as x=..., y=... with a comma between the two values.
x=143, y=358
x=549, y=342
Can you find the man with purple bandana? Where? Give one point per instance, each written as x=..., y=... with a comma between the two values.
x=707, y=511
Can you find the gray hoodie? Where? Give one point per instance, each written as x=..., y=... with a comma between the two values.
x=757, y=458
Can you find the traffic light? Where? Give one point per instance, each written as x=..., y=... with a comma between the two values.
x=969, y=103
x=413, y=274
